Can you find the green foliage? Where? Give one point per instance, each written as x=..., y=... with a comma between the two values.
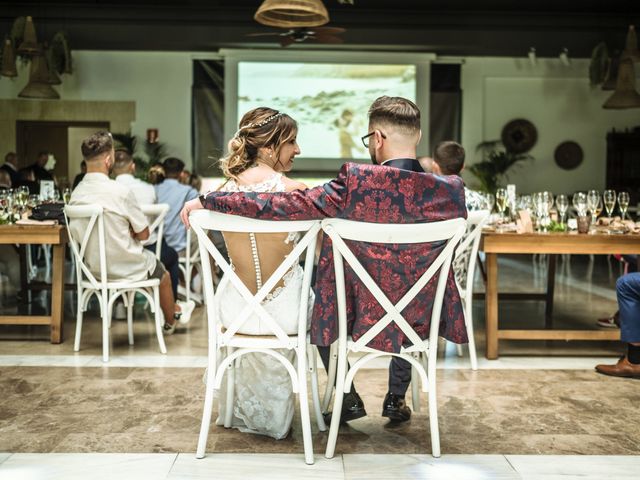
x=496, y=160
x=145, y=154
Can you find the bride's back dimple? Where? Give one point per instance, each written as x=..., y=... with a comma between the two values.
x=256, y=256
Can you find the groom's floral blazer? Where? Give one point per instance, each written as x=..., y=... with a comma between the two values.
x=397, y=192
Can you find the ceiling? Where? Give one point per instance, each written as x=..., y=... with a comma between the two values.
x=445, y=27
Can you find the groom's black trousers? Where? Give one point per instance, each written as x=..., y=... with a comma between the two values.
x=399, y=372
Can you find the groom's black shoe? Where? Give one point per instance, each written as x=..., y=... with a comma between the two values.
x=352, y=408
x=395, y=408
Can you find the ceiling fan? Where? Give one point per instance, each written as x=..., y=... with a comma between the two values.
x=302, y=34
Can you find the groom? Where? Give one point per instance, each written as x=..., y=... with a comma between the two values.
x=394, y=189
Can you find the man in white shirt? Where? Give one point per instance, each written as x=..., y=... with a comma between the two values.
x=125, y=227
x=124, y=169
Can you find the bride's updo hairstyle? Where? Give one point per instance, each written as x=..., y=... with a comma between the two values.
x=258, y=128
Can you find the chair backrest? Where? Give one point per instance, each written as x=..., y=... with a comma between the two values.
x=84, y=223
x=157, y=212
x=449, y=231
x=464, y=261
x=203, y=221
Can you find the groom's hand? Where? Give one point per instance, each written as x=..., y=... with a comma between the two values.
x=194, y=204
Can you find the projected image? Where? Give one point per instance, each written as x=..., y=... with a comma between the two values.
x=329, y=101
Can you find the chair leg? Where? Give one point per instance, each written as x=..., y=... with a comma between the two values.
x=472, y=341
x=433, y=407
x=129, y=304
x=106, y=312
x=337, y=404
x=459, y=348
x=208, y=407
x=305, y=417
x=313, y=371
x=231, y=383
x=415, y=390
x=159, y=319
x=331, y=377
x=79, y=316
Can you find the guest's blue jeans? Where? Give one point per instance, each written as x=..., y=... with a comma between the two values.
x=628, y=291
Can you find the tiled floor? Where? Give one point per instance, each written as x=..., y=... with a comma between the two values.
x=539, y=412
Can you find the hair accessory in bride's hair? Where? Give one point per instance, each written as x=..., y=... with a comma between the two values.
x=259, y=124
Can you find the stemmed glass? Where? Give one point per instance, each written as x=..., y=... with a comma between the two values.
x=623, y=203
x=501, y=201
x=66, y=195
x=609, y=201
x=490, y=200
x=562, y=204
x=580, y=203
x=593, y=203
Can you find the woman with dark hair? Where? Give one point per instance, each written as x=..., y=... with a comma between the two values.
x=260, y=152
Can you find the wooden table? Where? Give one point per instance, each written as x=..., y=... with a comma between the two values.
x=55, y=235
x=494, y=243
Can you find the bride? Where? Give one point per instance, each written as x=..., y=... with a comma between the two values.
x=260, y=152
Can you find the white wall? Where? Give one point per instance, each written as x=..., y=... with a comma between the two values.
x=559, y=102
x=159, y=83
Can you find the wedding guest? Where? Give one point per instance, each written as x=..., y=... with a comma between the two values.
x=125, y=227
x=448, y=159
x=80, y=176
x=5, y=180
x=628, y=293
x=394, y=189
x=156, y=174
x=11, y=167
x=176, y=194
x=40, y=168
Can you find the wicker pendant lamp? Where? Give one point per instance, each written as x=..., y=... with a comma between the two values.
x=631, y=47
x=625, y=95
x=8, y=68
x=29, y=45
x=39, y=86
x=292, y=13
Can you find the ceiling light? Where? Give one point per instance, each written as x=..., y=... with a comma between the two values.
x=292, y=13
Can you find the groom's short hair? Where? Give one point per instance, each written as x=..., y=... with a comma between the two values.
x=395, y=112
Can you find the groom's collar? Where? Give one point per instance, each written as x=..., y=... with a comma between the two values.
x=410, y=164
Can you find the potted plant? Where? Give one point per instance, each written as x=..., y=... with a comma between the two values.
x=496, y=160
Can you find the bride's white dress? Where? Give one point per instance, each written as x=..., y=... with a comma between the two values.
x=263, y=401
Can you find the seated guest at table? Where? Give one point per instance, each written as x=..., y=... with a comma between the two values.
x=5, y=180
x=125, y=227
x=448, y=159
x=628, y=293
x=124, y=169
x=28, y=179
x=176, y=194
x=40, y=167
x=11, y=167
x=156, y=174
x=395, y=189
x=80, y=176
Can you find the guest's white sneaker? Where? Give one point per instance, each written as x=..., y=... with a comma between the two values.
x=186, y=309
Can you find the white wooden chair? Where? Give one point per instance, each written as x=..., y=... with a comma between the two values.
x=235, y=344
x=107, y=291
x=449, y=231
x=464, y=268
x=187, y=264
x=155, y=213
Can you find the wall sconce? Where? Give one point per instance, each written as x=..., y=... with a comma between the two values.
x=532, y=56
x=152, y=135
x=564, y=57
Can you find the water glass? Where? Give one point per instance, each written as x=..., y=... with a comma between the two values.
x=623, y=203
x=580, y=203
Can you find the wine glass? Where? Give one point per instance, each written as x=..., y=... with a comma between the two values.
x=580, y=203
x=593, y=200
x=33, y=201
x=609, y=201
x=562, y=204
x=490, y=200
x=501, y=201
x=623, y=203
x=66, y=195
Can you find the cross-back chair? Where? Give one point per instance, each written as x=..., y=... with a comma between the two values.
x=339, y=230
x=106, y=290
x=226, y=344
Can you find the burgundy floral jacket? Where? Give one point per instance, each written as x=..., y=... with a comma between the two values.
x=394, y=192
